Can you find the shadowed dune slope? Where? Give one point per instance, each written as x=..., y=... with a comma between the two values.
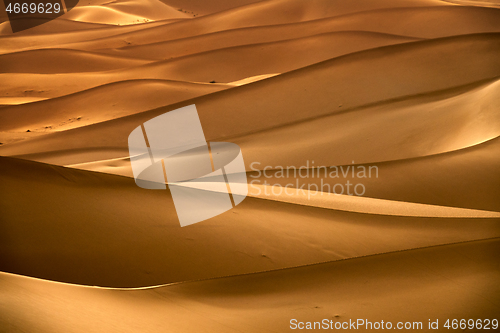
x=53, y=61
x=61, y=24
x=90, y=228
x=435, y=283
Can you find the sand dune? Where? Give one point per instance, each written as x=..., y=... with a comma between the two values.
x=231, y=64
x=490, y=3
x=202, y=7
x=429, y=178
x=440, y=21
x=134, y=239
x=408, y=87
x=321, y=48
x=432, y=179
x=249, y=36
x=307, y=51
x=19, y=100
x=109, y=101
x=399, y=286
x=344, y=202
x=101, y=14
x=48, y=28
x=350, y=81
x=286, y=11
x=68, y=61
x=451, y=123
x=29, y=39
x=124, y=12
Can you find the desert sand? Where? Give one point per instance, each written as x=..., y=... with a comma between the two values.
x=411, y=87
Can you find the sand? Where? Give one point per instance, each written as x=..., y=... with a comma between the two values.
x=410, y=87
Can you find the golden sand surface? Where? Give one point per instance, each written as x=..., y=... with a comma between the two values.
x=409, y=87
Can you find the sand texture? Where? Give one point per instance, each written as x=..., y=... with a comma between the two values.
x=408, y=87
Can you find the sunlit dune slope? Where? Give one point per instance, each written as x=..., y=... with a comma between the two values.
x=125, y=12
x=202, y=7
x=487, y=3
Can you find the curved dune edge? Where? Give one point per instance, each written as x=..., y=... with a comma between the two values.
x=358, y=204
x=438, y=283
x=18, y=100
x=69, y=61
x=120, y=165
x=253, y=119
x=125, y=12
x=353, y=203
x=244, y=37
x=252, y=79
x=478, y=3
x=369, y=21
x=137, y=231
x=263, y=272
x=108, y=101
x=105, y=15
x=44, y=37
x=90, y=251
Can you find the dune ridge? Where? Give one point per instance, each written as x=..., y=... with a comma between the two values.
x=217, y=303
x=444, y=21
x=150, y=214
x=442, y=54
x=110, y=101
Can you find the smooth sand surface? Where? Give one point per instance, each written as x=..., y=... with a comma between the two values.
x=369, y=288
x=134, y=239
x=409, y=87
